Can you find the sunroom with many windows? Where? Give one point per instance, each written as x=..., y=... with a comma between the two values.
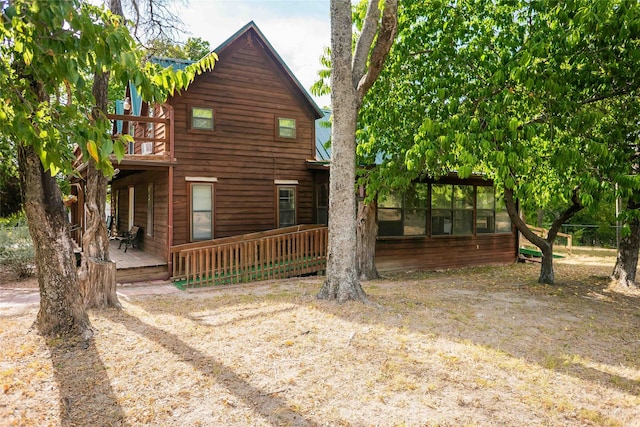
x=439, y=209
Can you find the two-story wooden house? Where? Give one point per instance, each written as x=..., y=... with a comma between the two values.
x=240, y=151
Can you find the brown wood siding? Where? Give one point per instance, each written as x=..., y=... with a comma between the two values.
x=247, y=92
x=395, y=254
x=156, y=244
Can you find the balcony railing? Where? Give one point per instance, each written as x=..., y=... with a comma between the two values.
x=151, y=135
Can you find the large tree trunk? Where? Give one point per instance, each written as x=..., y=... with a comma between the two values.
x=97, y=273
x=342, y=277
x=61, y=310
x=546, y=267
x=544, y=244
x=624, y=272
x=350, y=81
x=367, y=231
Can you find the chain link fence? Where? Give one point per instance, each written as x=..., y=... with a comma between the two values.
x=603, y=236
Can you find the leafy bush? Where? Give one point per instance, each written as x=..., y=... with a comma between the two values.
x=16, y=251
x=15, y=220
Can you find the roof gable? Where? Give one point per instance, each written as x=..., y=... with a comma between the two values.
x=256, y=34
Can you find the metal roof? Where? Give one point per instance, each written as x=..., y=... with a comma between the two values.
x=323, y=137
x=176, y=64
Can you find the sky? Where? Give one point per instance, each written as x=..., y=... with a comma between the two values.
x=298, y=30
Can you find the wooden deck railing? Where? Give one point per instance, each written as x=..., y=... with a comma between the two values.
x=151, y=131
x=542, y=232
x=273, y=254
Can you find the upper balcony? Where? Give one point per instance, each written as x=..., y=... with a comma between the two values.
x=152, y=143
x=152, y=135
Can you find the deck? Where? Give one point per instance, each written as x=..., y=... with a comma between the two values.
x=136, y=265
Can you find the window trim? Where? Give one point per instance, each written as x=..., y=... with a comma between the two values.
x=191, y=128
x=150, y=207
x=190, y=186
x=278, y=128
x=287, y=184
x=131, y=209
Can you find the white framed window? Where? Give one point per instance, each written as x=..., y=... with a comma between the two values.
x=286, y=128
x=132, y=207
x=201, y=207
x=201, y=118
x=149, y=230
x=286, y=205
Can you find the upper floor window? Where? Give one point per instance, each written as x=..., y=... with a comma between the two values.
x=286, y=128
x=202, y=118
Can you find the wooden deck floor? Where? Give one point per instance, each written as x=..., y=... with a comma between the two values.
x=136, y=265
x=133, y=258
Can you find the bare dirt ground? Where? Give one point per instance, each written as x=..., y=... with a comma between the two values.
x=471, y=347
x=9, y=280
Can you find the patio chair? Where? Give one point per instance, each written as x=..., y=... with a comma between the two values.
x=130, y=238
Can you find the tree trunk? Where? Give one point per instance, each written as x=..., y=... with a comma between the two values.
x=546, y=267
x=61, y=310
x=545, y=245
x=100, y=274
x=624, y=272
x=367, y=231
x=97, y=277
x=348, y=87
x=342, y=282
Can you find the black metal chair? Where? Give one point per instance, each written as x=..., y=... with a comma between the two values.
x=130, y=238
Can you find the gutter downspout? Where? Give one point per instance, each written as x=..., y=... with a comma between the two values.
x=170, y=189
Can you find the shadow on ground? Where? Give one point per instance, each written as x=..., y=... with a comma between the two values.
x=86, y=395
x=273, y=408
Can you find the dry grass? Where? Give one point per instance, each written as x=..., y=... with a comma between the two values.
x=473, y=347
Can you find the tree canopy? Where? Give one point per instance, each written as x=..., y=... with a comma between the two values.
x=193, y=49
x=535, y=95
x=49, y=53
x=62, y=44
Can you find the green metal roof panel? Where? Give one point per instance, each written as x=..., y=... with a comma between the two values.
x=176, y=64
x=323, y=137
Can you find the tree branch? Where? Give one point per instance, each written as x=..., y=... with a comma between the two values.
x=386, y=36
x=575, y=207
x=363, y=45
x=518, y=222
